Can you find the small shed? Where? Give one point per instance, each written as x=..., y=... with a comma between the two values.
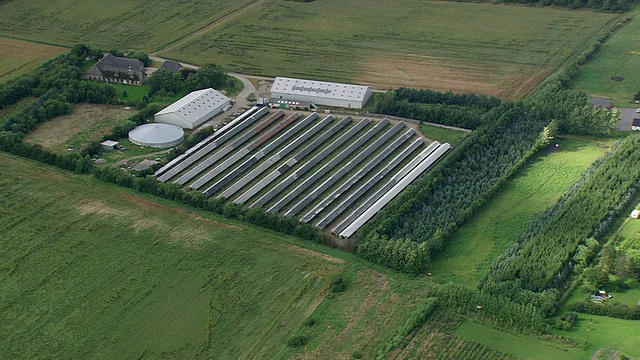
x=109, y=145
x=602, y=102
x=635, y=214
x=635, y=124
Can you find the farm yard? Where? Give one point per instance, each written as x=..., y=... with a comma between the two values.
x=17, y=57
x=316, y=169
x=463, y=47
x=502, y=240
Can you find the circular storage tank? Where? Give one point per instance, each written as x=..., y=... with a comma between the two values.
x=157, y=135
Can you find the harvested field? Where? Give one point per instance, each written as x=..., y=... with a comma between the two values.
x=17, y=57
x=485, y=48
x=86, y=123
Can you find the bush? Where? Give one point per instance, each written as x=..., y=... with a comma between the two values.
x=297, y=341
x=337, y=285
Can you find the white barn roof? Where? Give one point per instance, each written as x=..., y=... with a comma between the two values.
x=196, y=105
x=320, y=89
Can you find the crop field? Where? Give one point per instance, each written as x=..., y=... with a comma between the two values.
x=131, y=24
x=463, y=47
x=86, y=123
x=303, y=167
x=498, y=224
x=17, y=57
x=103, y=273
x=618, y=57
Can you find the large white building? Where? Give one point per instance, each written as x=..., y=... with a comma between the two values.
x=320, y=92
x=194, y=109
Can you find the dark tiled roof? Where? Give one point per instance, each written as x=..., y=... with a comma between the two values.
x=598, y=101
x=120, y=62
x=171, y=66
x=635, y=122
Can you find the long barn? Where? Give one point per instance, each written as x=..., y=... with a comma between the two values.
x=194, y=109
x=320, y=92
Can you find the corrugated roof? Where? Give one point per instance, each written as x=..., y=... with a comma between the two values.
x=322, y=89
x=196, y=104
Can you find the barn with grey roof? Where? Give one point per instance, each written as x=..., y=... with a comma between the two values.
x=320, y=92
x=194, y=109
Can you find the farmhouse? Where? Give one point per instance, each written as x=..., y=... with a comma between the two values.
x=602, y=102
x=170, y=65
x=635, y=124
x=194, y=109
x=117, y=69
x=320, y=92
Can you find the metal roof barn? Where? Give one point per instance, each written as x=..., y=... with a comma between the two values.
x=157, y=135
x=320, y=92
x=194, y=109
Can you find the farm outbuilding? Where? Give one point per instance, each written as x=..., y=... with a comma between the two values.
x=194, y=109
x=109, y=145
x=320, y=92
x=157, y=135
x=635, y=124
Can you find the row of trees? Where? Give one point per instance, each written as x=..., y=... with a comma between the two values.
x=257, y=216
x=438, y=203
x=169, y=83
x=544, y=255
x=403, y=255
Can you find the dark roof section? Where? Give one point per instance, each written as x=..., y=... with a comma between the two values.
x=171, y=66
x=598, y=101
x=635, y=122
x=120, y=62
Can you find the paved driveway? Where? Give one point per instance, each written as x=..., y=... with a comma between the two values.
x=627, y=115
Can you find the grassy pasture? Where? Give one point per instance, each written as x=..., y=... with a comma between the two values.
x=442, y=134
x=17, y=57
x=619, y=56
x=495, y=226
x=92, y=271
x=86, y=123
x=129, y=25
x=601, y=332
x=483, y=48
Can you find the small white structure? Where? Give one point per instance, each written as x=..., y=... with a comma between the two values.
x=635, y=124
x=157, y=135
x=635, y=214
x=194, y=109
x=320, y=92
x=109, y=145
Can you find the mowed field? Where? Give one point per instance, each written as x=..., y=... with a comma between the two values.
x=618, y=57
x=498, y=224
x=491, y=49
x=87, y=123
x=91, y=271
x=129, y=24
x=17, y=57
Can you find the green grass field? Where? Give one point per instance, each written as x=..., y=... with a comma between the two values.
x=129, y=25
x=601, y=332
x=17, y=57
x=92, y=271
x=523, y=347
x=619, y=56
x=442, y=134
x=491, y=49
x=134, y=92
x=495, y=226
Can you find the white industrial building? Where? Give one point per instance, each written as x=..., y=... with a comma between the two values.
x=194, y=109
x=320, y=92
